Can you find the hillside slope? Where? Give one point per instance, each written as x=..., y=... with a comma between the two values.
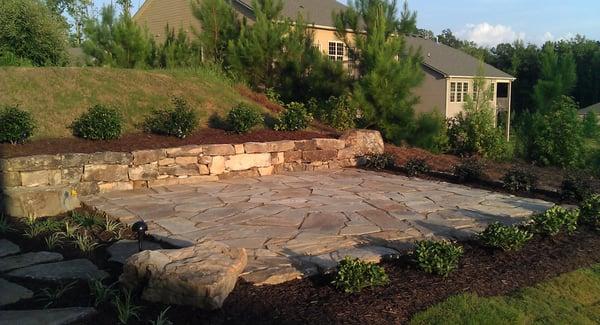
x=56, y=96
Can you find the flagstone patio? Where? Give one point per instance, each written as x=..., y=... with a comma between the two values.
x=297, y=224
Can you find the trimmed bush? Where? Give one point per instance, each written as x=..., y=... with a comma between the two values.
x=243, y=118
x=555, y=220
x=16, y=125
x=416, y=166
x=341, y=113
x=468, y=170
x=437, y=257
x=590, y=211
x=98, y=123
x=506, y=238
x=295, y=117
x=178, y=121
x=519, y=180
x=379, y=161
x=353, y=275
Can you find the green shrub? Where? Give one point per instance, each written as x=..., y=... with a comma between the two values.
x=379, y=161
x=416, y=166
x=341, y=113
x=507, y=238
x=431, y=132
x=16, y=125
x=353, y=275
x=590, y=211
x=9, y=59
x=590, y=126
x=468, y=170
x=437, y=257
x=98, y=123
x=579, y=185
x=555, y=220
x=179, y=120
x=519, y=180
x=295, y=117
x=243, y=118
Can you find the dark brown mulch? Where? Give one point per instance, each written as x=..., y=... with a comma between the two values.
x=140, y=141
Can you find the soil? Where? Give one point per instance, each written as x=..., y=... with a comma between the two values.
x=141, y=141
x=314, y=301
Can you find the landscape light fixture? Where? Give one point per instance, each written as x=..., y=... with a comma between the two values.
x=140, y=228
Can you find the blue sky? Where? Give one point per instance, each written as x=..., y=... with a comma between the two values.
x=488, y=22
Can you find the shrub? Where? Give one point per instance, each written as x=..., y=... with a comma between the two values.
x=98, y=123
x=341, y=113
x=590, y=211
x=437, y=257
x=590, y=126
x=16, y=125
x=179, y=120
x=507, y=238
x=416, y=166
x=468, y=170
x=243, y=118
x=9, y=59
x=354, y=275
x=431, y=132
x=578, y=185
x=379, y=161
x=555, y=220
x=295, y=117
x=519, y=180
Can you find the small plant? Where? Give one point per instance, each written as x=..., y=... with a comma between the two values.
x=85, y=219
x=590, y=211
x=98, y=123
x=437, y=257
x=243, y=118
x=353, y=275
x=52, y=296
x=295, y=117
x=111, y=226
x=70, y=229
x=273, y=96
x=54, y=241
x=379, y=161
x=340, y=113
x=179, y=120
x=578, y=185
x=555, y=220
x=507, y=238
x=162, y=318
x=519, y=180
x=85, y=243
x=101, y=292
x=5, y=225
x=126, y=310
x=16, y=125
x=416, y=166
x=468, y=170
x=35, y=227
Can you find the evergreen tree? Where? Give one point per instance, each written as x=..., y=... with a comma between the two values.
x=557, y=79
x=219, y=25
x=388, y=70
x=591, y=129
x=177, y=51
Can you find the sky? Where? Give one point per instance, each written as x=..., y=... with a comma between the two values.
x=489, y=22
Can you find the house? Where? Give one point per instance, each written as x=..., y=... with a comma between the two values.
x=593, y=108
x=449, y=73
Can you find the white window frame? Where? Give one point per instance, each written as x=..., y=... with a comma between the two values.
x=336, y=50
x=459, y=90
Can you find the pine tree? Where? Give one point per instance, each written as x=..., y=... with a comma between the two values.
x=590, y=126
x=558, y=77
x=388, y=70
x=219, y=25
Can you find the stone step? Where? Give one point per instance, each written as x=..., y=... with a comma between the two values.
x=79, y=269
x=11, y=293
x=58, y=316
x=8, y=248
x=20, y=261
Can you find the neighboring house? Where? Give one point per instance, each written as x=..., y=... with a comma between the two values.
x=449, y=73
x=593, y=108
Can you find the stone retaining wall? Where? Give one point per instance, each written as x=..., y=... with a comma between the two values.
x=47, y=185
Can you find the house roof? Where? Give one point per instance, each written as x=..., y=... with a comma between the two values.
x=318, y=12
x=592, y=108
x=452, y=62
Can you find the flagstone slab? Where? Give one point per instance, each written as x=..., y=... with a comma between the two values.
x=11, y=293
x=58, y=316
x=27, y=259
x=79, y=269
x=8, y=248
x=120, y=251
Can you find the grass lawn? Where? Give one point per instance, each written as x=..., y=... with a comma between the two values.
x=573, y=298
x=56, y=96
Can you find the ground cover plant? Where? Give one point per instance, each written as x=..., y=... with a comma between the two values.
x=590, y=211
x=555, y=220
x=437, y=257
x=416, y=166
x=353, y=275
x=507, y=238
x=378, y=161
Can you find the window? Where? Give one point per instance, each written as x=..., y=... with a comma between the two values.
x=336, y=51
x=458, y=92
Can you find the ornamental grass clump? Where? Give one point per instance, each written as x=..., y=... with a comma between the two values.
x=438, y=257
x=506, y=238
x=555, y=220
x=353, y=275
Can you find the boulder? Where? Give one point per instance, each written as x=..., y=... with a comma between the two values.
x=364, y=142
x=202, y=275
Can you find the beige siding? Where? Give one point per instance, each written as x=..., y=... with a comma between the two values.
x=156, y=14
x=454, y=108
x=432, y=93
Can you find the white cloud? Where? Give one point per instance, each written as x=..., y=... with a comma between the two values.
x=486, y=34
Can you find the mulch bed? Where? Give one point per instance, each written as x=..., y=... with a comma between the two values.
x=141, y=141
